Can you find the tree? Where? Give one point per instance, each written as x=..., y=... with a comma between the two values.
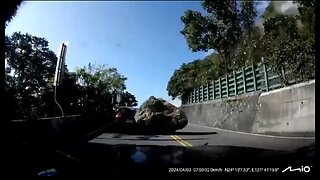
x=307, y=17
x=219, y=29
x=128, y=99
x=247, y=44
x=305, y=4
x=29, y=80
x=248, y=14
x=11, y=10
x=101, y=76
x=283, y=44
x=281, y=25
x=97, y=83
x=32, y=64
x=223, y=28
x=288, y=48
x=195, y=73
x=294, y=55
x=183, y=79
x=211, y=67
x=10, y=92
x=249, y=49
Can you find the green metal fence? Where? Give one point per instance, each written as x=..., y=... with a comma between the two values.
x=244, y=80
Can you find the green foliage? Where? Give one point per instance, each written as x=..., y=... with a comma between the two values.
x=97, y=83
x=248, y=14
x=307, y=4
x=288, y=48
x=32, y=64
x=249, y=49
x=211, y=67
x=247, y=46
x=29, y=83
x=281, y=26
x=100, y=76
x=219, y=29
x=288, y=42
x=307, y=17
x=194, y=74
x=295, y=55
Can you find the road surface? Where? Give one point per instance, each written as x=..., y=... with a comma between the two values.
x=193, y=147
x=195, y=135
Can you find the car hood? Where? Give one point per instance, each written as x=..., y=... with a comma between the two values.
x=96, y=159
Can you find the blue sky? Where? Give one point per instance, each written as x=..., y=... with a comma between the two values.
x=141, y=39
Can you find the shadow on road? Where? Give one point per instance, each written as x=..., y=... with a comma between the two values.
x=169, y=139
x=142, y=138
x=148, y=138
x=155, y=134
x=194, y=133
x=137, y=132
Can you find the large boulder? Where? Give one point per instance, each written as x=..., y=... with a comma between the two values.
x=157, y=114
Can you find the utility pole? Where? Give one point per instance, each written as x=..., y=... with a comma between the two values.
x=59, y=73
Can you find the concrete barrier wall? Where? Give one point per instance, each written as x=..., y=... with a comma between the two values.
x=290, y=109
x=284, y=111
x=234, y=113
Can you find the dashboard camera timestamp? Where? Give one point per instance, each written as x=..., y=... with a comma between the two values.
x=195, y=170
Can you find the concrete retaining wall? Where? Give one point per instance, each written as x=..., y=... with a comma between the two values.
x=284, y=111
x=234, y=113
x=290, y=109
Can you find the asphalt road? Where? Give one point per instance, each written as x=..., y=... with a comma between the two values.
x=196, y=135
x=194, y=146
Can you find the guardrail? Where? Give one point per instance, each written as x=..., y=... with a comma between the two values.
x=241, y=81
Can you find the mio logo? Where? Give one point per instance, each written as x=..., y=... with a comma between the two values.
x=305, y=169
